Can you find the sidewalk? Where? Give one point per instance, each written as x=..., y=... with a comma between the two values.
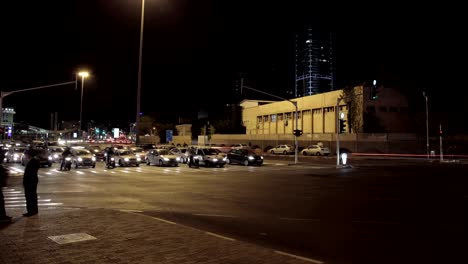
x=111, y=236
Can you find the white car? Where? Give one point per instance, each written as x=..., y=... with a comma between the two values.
x=316, y=150
x=162, y=157
x=282, y=149
x=126, y=157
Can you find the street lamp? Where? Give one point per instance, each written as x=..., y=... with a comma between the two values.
x=140, y=58
x=83, y=75
x=427, y=125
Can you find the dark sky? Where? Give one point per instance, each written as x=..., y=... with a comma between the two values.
x=194, y=51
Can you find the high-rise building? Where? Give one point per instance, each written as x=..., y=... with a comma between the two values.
x=313, y=63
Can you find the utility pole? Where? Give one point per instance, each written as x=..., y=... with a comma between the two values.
x=296, y=147
x=440, y=139
x=427, y=125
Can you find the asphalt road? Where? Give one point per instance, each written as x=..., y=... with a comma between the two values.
x=379, y=211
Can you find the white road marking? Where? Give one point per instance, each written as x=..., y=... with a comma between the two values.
x=39, y=204
x=67, y=191
x=14, y=192
x=22, y=201
x=299, y=257
x=165, y=221
x=215, y=215
x=220, y=236
x=130, y=211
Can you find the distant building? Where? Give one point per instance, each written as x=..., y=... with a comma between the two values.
x=7, y=123
x=317, y=114
x=313, y=67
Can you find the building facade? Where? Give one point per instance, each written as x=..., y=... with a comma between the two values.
x=318, y=114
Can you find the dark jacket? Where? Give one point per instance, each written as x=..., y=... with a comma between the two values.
x=30, y=172
x=3, y=176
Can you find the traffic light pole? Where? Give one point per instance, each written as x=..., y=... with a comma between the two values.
x=296, y=147
x=5, y=94
x=338, y=130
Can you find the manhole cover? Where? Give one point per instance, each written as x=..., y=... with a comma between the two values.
x=71, y=238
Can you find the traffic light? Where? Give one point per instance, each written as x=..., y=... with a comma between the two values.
x=342, y=126
x=297, y=132
x=373, y=93
x=208, y=130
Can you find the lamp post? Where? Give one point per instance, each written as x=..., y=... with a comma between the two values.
x=427, y=125
x=140, y=58
x=83, y=75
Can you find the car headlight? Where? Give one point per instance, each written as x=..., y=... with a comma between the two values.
x=215, y=160
x=50, y=157
x=67, y=158
x=225, y=158
x=138, y=159
x=93, y=158
x=251, y=158
x=112, y=159
x=261, y=157
x=177, y=159
x=80, y=159
x=56, y=156
x=165, y=159
x=126, y=159
x=15, y=156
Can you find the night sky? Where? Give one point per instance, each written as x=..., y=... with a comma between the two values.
x=195, y=51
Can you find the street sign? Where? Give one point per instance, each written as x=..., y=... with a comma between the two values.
x=168, y=136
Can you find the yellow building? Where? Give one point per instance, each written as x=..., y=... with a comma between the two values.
x=317, y=114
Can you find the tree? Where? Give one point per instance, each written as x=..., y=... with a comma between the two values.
x=146, y=125
x=354, y=103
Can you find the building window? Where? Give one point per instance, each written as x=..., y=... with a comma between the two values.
x=273, y=118
x=298, y=114
x=259, y=119
x=383, y=109
x=265, y=118
x=288, y=116
x=280, y=117
x=317, y=111
x=370, y=109
x=393, y=109
x=329, y=109
x=306, y=112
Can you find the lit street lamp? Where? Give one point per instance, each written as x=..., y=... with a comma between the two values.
x=83, y=74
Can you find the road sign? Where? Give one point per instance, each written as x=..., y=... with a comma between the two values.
x=168, y=136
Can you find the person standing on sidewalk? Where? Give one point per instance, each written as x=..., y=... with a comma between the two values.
x=30, y=181
x=3, y=183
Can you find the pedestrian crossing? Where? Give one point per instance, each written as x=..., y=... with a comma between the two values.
x=15, y=199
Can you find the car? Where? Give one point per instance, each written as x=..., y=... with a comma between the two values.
x=97, y=151
x=45, y=158
x=126, y=157
x=244, y=156
x=56, y=153
x=140, y=152
x=82, y=157
x=162, y=157
x=282, y=149
x=180, y=152
x=240, y=146
x=316, y=150
x=206, y=156
x=14, y=154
